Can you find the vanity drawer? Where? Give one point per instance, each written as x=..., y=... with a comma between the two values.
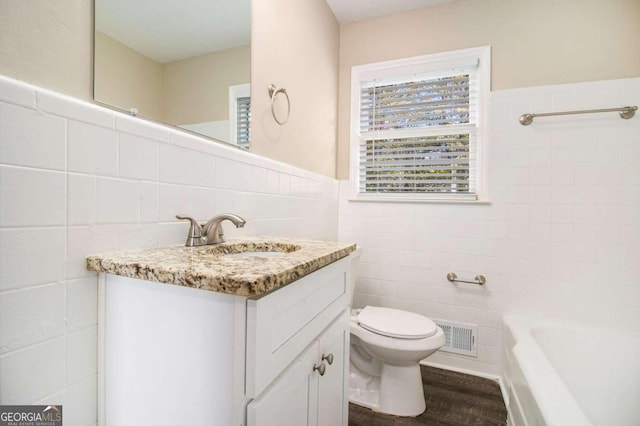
x=283, y=323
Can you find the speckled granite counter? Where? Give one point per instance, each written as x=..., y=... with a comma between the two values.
x=208, y=267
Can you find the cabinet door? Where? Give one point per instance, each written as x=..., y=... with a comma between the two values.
x=292, y=399
x=283, y=323
x=332, y=386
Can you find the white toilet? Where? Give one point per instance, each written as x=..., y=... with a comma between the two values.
x=387, y=346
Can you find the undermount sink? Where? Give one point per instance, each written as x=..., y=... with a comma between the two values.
x=256, y=254
x=263, y=249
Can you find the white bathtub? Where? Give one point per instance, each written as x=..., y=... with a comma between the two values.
x=570, y=375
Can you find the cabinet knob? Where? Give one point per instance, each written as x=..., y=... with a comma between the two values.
x=328, y=358
x=320, y=368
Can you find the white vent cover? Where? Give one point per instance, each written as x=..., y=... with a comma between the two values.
x=461, y=338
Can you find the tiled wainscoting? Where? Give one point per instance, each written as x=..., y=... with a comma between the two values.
x=76, y=179
x=559, y=239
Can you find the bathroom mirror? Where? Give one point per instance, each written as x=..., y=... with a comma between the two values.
x=184, y=63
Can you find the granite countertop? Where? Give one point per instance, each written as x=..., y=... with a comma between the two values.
x=207, y=267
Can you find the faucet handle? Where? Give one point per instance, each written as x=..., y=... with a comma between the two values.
x=194, y=238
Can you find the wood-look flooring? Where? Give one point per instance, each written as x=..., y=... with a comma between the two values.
x=452, y=399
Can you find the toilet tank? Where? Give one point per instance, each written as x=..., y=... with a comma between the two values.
x=353, y=273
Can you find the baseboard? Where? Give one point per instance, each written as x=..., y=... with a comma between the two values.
x=461, y=370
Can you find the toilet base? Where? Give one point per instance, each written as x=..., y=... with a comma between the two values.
x=397, y=391
x=363, y=390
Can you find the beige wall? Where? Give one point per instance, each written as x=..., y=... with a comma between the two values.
x=128, y=79
x=295, y=45
x=197, y=89
x=540, y=42
x=48, y=43
x=180, y=92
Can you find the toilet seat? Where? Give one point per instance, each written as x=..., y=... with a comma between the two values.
x=396, y=323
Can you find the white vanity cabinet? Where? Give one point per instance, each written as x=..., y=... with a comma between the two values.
x=172, y=355
x=311, y=391
x=311, y=314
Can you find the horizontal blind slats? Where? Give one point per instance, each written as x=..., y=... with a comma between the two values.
x=377, y=167
x=396, y=163
x=374, y=97
x=426, y=188
x=379, y=112
x=418, y=182
x=374, y=112
x=406, y=124
x=428, y=162
x=424, y=164
x=416, y=83
x=243, y=134
x=432, y=189
x=435, y=141
x=382, y=95
x=381, y=154
x=421, y=178
x=417, y=104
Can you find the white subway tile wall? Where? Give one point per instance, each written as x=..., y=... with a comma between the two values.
x=560, y=238
x=77, y=179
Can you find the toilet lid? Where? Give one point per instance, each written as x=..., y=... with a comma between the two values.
x=396, y=323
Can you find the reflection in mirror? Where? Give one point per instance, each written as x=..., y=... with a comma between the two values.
x=185, y=63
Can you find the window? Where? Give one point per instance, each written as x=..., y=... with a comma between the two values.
x=416, y=127
x=243, y=120
x=240, y=114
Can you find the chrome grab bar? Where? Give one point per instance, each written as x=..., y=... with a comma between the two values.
x=479, y=279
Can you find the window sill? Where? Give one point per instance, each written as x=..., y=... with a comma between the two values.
x=402, y=200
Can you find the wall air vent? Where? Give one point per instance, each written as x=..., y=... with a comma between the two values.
x=461, y=338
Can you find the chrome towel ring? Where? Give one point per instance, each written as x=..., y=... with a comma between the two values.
x=273, y=94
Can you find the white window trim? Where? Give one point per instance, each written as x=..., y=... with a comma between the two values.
x=422, y=64
x=235, y=92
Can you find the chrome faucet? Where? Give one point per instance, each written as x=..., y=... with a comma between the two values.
x=211, y=232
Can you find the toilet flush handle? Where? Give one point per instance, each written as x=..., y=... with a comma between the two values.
x=320, y=368
x=328, y=358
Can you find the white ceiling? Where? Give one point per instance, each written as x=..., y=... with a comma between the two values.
x=358, y=10
x=169, y=30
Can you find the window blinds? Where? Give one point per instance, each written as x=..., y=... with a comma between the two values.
x=418, y=133
x=243, y=122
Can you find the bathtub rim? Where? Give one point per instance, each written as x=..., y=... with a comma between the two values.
x=555, y=401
